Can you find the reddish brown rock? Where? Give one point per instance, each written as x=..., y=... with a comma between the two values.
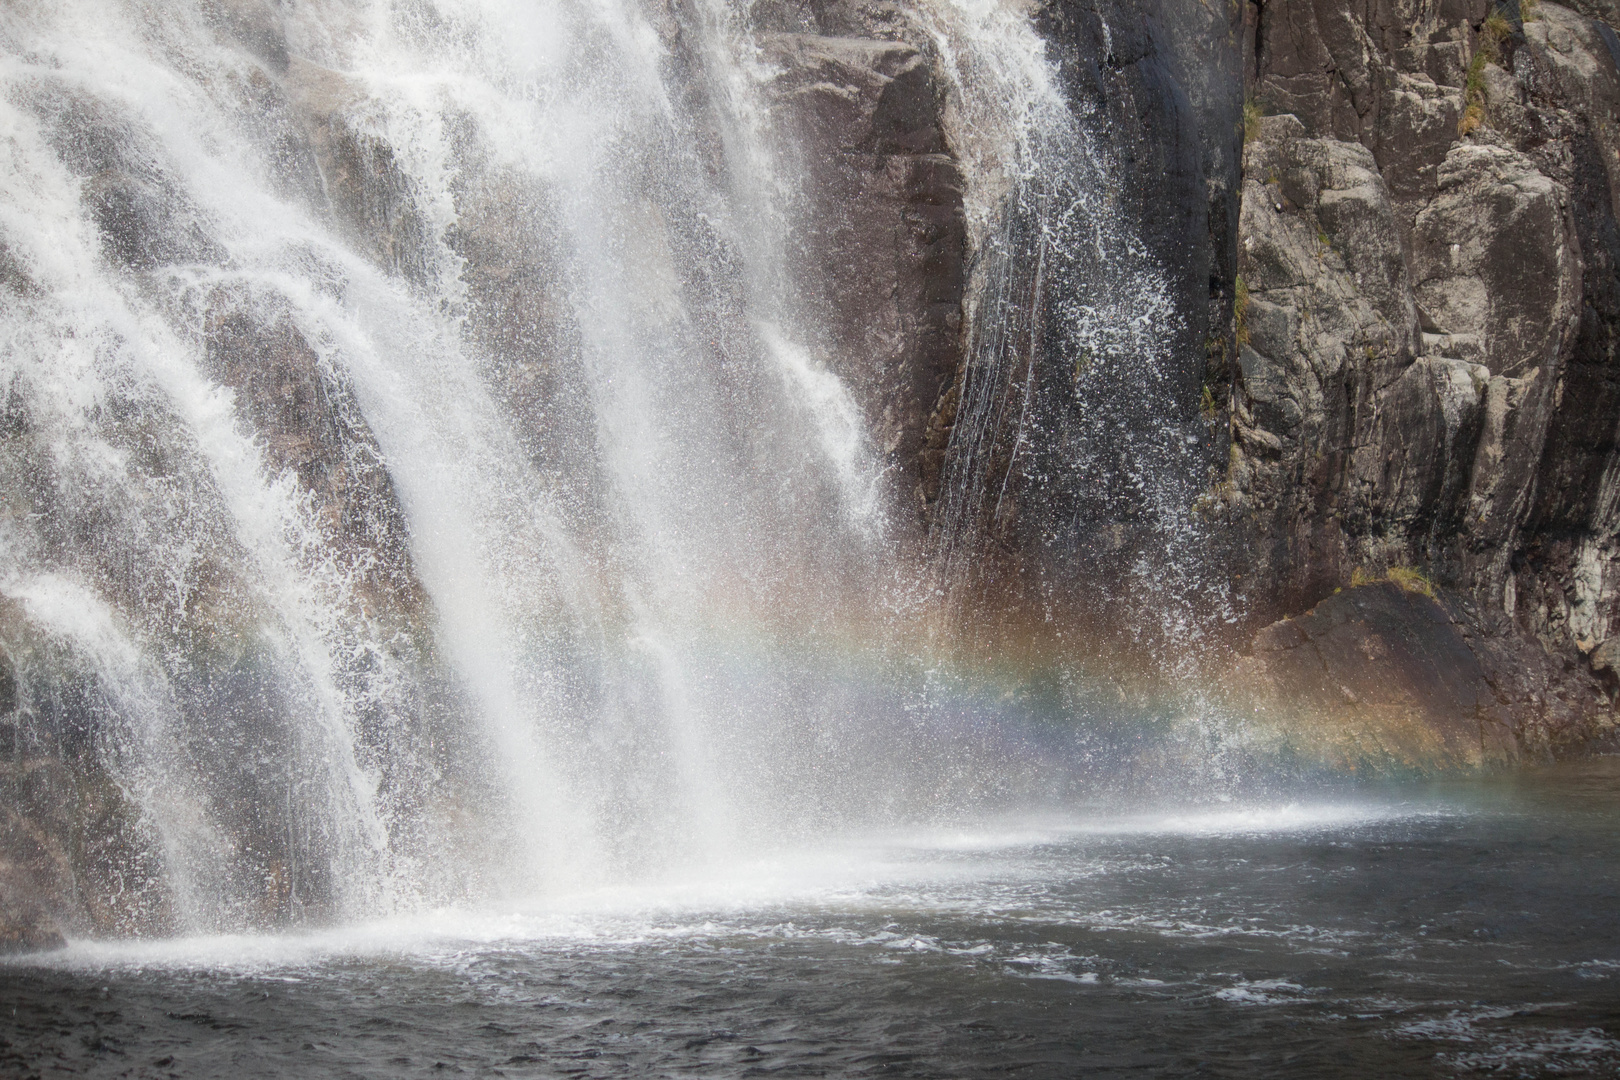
x=884, y=237
x=1378, y=677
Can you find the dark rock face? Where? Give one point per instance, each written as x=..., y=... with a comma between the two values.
x=1162, y=73
x=885, y=231
x=1427, y=355
x=1064, y=434
x=861, y=92
x=1379, y=676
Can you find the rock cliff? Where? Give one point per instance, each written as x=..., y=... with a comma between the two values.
x=1426, y=330
x=1389, y=231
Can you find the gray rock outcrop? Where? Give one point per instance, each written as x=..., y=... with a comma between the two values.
x=1428, y=248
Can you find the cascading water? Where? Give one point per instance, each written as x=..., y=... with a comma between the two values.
x=419, y=455
x=636, y=537
x=1069, y=393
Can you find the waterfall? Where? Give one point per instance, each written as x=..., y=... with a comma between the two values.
x=418, y=448
x=1068, y=394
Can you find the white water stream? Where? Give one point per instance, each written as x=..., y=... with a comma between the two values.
x=531, y=256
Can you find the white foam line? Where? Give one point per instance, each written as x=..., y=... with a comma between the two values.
x=871, y=875
x=1227, y=821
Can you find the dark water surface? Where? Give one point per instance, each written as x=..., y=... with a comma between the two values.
x=1468, y=928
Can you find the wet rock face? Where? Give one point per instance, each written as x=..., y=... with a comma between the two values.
x=310, y=426
x=1427, y=355
x=72, y=854
x=1161, y=76
x=861, y=93
x=1063, y=429
x=885, y=232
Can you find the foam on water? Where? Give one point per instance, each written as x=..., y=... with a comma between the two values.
x=1002, y=874
x=1382, y=937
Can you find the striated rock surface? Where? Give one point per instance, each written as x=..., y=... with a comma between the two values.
x=1427, y=353
x=884, y=227
x=1082, y=418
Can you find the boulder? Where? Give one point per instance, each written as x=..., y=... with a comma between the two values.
x=1378, y=676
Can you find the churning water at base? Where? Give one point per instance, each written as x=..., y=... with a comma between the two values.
x=1452, y=930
